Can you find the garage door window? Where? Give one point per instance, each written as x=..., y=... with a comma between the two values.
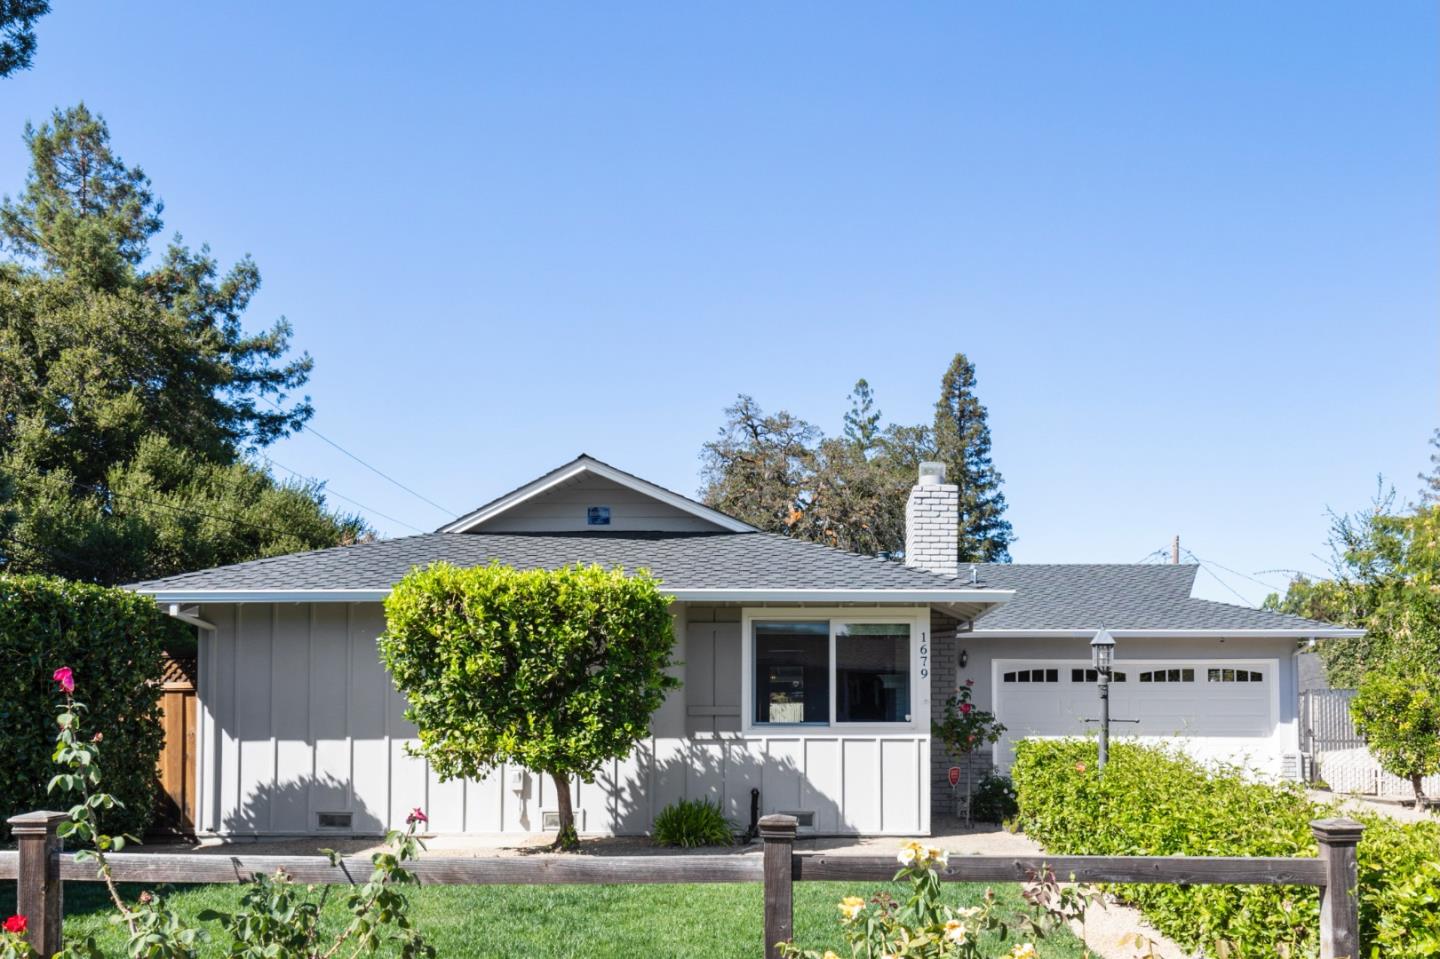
x=1033, y=676
x=1093, y=676
x=1168, y=676
x=1234, y=676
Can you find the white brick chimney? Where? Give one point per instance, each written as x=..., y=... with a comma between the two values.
x=932, y=522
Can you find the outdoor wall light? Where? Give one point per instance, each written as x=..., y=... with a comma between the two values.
x=964, y=657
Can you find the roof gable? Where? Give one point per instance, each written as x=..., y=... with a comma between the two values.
x=588, y=495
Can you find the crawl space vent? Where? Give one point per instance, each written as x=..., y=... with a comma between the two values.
x=804, y=819
x=334, y=820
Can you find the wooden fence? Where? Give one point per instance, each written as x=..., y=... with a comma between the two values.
x=41, y=870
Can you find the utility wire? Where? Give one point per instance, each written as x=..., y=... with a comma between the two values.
x=1150, y=555
x=330, y=492
x=314, y=432
x=1234, y=571
x=1213, y=575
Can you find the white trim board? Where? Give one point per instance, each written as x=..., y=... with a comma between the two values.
x=585, y=464
x=1288, y=632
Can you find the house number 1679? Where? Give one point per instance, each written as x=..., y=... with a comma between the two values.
x=924, y=659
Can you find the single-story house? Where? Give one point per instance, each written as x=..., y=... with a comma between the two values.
x=810, y=674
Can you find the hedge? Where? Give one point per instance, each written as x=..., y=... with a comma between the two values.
x=113, y=640
x=1155, y=801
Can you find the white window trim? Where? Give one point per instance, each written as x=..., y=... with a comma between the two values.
x=998, y=668
x=921, y=663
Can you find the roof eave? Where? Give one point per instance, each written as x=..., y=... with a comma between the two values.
x=1286, y=632
x=979, y=597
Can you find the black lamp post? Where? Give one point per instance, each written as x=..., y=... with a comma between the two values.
x=1102, y=653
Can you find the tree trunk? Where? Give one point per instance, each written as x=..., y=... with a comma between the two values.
x=567, y=837
x=1416, y=780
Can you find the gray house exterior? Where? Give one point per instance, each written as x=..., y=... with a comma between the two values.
x=808, y=673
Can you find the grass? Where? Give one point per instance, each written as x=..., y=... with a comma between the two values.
x=570, y=922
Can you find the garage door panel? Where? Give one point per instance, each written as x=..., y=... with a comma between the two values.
x=1174, y=698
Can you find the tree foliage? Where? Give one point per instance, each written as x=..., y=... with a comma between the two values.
x=118, y=374
x=780, y=473
x=1387, y=581
x=17, y=33
x=962, y=443
x=112, y=640
x=555, y=671
x=1397, y=710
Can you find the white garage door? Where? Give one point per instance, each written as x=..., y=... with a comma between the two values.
x=1199, y=699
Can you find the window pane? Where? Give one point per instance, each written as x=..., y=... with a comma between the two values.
x=792, y=672
x=872, y=673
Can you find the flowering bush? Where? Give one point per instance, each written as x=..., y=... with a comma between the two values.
x=12, y=938
x=924, y=927
x=276, y=920
x=965, y=728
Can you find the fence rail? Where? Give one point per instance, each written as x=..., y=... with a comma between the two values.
x=41, y=869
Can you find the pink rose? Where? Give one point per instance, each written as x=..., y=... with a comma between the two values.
x=65, y=678
x=417, y=815
x=969, y=682
x=965, y=708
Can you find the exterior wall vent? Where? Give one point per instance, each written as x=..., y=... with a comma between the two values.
x=804, y=818
x=550, y=821
x=334, y=820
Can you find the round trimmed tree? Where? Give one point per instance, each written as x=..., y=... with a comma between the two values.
x=1397, y=710
x=557, y=671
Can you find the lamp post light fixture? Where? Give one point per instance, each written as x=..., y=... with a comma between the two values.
x=1102, y=653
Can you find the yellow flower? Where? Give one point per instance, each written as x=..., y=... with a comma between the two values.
x=850, y=907
x=955, y=931
x=829, y=954
x=906, y=856
x=937, y=855
x=1023, y=950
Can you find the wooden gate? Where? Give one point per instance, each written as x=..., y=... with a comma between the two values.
x=177, y=761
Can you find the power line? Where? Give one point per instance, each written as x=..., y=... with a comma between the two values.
x=1213, y=575
x=314, y=432
x=1150, y=555
x=1234, y=571
x=330, y=492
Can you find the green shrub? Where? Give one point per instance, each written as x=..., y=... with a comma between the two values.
x=994, y=799
x=112, y=640
x=693, y=822
x=1157, y=802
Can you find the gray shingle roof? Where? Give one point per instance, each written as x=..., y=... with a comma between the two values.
x=1085, y=596
x=1046, y=596
x=680, y=560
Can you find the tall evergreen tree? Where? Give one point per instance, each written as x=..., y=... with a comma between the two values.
x=125, y=384
x=862, y=421
x=962, y=443
x=1430, y=492
x=17, y=33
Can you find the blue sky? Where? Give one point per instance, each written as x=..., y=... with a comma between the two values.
x=1192, y=251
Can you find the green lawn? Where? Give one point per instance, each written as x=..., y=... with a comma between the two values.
x=594, y=922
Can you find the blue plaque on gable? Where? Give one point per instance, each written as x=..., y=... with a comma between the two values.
x=597, y=516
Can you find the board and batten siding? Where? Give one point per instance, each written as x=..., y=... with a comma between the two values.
x=299, y=718
x=563, y=509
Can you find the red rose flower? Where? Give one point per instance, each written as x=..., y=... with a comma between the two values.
x=417, y=815
x=65, y=678
x=965, y=708
x=17, y=925
x=969, y=682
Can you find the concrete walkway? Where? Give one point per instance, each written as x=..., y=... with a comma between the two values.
x=1393, y=808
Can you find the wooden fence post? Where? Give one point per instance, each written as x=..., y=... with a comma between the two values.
x=1339, y=897
x=38, y=893
x=779, y=835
